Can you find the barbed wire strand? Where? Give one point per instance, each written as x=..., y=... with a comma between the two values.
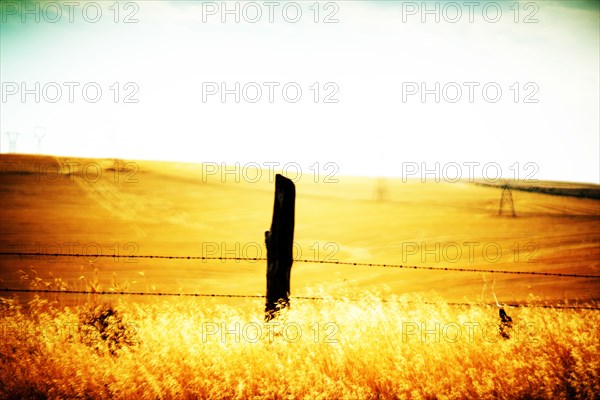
x=258, y=296
x=307, y=261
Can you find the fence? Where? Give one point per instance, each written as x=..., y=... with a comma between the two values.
x=279, y=242
x=345, y=263
x=348, y=263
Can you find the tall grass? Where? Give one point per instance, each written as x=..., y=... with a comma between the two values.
x=199, y=348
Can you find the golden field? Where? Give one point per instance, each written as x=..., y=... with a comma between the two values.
x=378, y=333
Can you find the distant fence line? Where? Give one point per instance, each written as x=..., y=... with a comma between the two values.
x=258, y=296
x=307, y=261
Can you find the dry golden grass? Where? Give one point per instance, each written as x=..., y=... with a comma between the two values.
x=195, y=348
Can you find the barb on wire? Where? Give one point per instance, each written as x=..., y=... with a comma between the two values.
x=258, y=296
x=116, y=292
x=307, y=261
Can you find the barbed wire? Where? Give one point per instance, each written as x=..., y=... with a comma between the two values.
x=258, y=296
x=307, y=261
x=425, y=267
x=120, y=292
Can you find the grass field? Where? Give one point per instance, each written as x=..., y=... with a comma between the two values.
x=395, y=334
x=328, y=349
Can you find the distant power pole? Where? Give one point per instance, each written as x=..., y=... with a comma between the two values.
x=381, y=190
x=12, y=141
x=39, y=132
x=506, y=200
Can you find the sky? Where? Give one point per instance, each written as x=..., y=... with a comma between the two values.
x=375, y=88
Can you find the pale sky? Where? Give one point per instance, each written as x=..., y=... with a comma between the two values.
x=375, y=59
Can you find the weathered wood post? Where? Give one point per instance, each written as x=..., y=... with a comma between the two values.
x=279, y=241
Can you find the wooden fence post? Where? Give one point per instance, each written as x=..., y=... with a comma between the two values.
x=279, y=241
